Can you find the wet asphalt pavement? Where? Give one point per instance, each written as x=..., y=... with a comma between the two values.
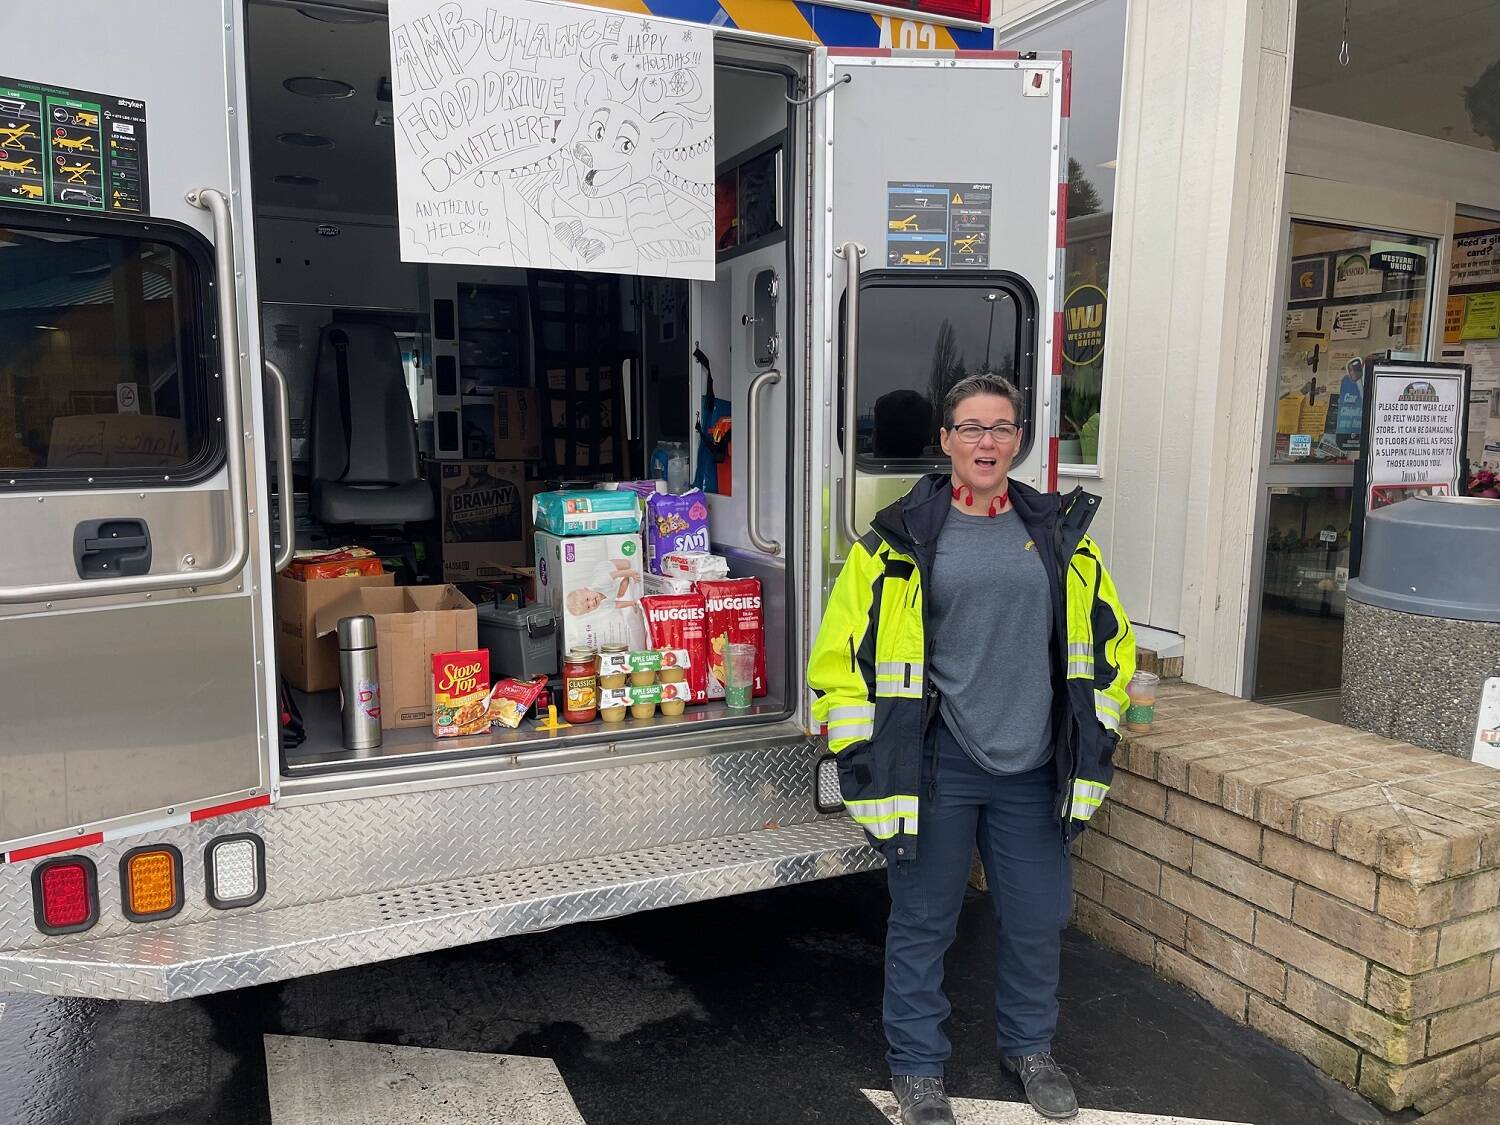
x=760, y=1008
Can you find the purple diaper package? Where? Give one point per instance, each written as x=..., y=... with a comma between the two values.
x=675, y=523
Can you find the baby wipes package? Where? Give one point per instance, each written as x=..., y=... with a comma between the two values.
x=675, y=523
x=593, y=511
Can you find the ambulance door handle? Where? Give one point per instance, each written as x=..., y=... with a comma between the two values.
x=752, y=492
x=285, y=499
x=234, y=458
x=851, y=252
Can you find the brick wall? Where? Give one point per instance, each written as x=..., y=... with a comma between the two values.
x=1335, y=890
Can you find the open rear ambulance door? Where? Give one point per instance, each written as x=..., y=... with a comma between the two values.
x=133, y=671
x=943, y=196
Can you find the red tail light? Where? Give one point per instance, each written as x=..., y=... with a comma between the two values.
x=65, y=895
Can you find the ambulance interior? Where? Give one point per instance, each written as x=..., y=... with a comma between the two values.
x=617, y=367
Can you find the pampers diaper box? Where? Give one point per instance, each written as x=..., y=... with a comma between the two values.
x=594, y=584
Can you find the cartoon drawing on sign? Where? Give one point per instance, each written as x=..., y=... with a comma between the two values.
x=554, y=138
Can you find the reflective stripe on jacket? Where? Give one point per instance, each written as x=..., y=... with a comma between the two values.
x=869, y=660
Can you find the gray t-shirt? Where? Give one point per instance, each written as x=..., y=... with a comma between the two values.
x=990, y=611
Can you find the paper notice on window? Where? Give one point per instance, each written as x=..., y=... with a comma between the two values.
x=552, y=136
x=1479, y=411
x=1300, y=320
x=1453, y=320
x=1481, y=316
x=1483, y=358
x=1352, y=322
x=1476, y=259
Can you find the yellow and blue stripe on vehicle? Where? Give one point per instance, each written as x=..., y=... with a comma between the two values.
x=814, y=23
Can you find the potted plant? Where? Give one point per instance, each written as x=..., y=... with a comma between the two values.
x=1088, y=438
x=1078, y=430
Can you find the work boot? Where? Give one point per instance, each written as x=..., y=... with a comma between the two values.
x=921, y=1100
x=1047, y=1087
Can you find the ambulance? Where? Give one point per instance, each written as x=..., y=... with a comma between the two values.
x=233, y=326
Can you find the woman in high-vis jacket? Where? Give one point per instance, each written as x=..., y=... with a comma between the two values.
x=970, y=670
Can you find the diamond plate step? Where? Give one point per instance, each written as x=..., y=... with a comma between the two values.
x=239, y=950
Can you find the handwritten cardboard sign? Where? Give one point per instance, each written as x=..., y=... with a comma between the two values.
x=558, y=137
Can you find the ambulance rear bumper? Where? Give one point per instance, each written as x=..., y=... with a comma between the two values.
x=241, y=950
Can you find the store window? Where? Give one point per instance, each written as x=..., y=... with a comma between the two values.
x=1303, y=590
x=939, y=329
x=1471, y=334
x=104, y=366
x=1354, y=296
x=1094, y=30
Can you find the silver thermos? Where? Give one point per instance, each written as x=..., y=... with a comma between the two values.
x=359, y=683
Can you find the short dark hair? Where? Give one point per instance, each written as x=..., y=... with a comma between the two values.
x=983, y=384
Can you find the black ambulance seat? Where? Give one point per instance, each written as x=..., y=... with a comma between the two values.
x=365, y=468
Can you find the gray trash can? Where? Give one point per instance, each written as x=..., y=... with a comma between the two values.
x=1422, y=621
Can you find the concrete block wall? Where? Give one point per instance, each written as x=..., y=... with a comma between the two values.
x=1337, y=891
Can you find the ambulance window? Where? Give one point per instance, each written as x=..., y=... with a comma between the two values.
x=918, y=337
x=104, y=354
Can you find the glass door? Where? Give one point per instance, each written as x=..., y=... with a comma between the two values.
x=1361, y=274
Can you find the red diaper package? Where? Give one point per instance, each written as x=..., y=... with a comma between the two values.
x=680, y=621
x=734, y=615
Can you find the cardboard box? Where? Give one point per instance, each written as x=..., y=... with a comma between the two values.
x=412, y=625
x=310, y=662
x=485, y=509
x=518, y=425
x=594, y=583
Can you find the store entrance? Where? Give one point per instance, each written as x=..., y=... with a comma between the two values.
x=1340, y=314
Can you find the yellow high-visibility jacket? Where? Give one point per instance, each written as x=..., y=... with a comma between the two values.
x=868, y=662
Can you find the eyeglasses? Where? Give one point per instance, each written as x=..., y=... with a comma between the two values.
x=1003, y=432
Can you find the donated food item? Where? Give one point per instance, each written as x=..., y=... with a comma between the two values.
x=614, y=665
x=594, y=583
x=511, y=699
x=306, y=566
x=656, y=584
x=581, y=685
x=643, y=700
x=1140, y=712
x=694, y=565
x=587, y=512
x=734, y=616
x=648, y=662
x=675, y=524
x=674, y=675
x=679, y=622
x=460, y=693
x=642, y=707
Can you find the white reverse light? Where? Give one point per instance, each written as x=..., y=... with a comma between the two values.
x=235, y=870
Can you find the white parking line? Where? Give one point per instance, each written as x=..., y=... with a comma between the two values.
x=971, y=1111
x=336, y=1082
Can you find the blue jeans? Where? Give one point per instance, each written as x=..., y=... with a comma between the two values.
x=1012, y=818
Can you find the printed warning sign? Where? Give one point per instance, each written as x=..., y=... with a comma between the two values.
x=1416, y=433
x=938, y=225
x=71, y=148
